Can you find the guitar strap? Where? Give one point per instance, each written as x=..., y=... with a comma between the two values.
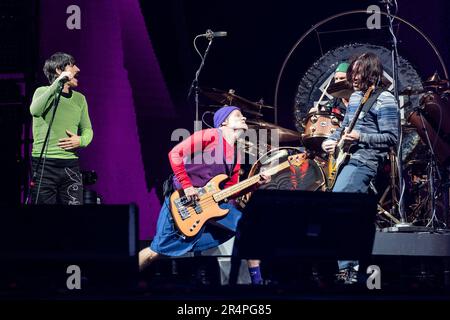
x=370, y=102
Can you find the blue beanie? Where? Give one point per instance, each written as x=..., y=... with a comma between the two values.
x=222, y=114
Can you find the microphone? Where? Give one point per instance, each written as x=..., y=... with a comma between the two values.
x=211, y=35
x=64, y=80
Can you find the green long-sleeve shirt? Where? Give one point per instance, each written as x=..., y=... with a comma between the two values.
x=71, y=114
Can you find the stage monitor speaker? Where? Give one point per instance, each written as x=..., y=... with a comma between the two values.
x=302, y=224
x=38, y=244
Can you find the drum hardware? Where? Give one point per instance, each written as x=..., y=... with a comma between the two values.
x=436, y=84
x=334, y=121
x=381, y=211
x=419, y=187
x=392, y=190
x=430, y=121
x=433, y=174
x=435, y=108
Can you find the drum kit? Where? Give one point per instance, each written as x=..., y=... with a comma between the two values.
x=430, y=123
x=318, y=125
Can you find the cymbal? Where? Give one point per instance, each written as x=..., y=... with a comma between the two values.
x=230, y=98
x=436, y=82
x=435, y=79
x=284, y=135
x=341, y=89
x=245, y=112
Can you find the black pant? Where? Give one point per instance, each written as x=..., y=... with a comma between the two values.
x=57, y=181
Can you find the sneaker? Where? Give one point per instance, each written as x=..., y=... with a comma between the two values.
x=348, y=275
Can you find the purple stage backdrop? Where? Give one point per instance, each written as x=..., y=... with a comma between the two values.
x=119, y=75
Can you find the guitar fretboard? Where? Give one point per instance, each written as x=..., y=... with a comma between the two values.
x=357, y=113
x=228, y=192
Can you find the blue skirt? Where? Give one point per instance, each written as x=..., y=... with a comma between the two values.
x=170, y=242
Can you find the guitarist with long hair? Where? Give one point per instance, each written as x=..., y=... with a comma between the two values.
x=195, y=161
x=374, y=130
x=370, y=127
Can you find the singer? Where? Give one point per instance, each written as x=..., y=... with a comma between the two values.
x=57, y=134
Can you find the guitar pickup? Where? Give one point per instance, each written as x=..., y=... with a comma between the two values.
x=197, y=208
x=184, y=213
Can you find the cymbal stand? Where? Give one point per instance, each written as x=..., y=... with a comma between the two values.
x=433, y=173
x=392, y=188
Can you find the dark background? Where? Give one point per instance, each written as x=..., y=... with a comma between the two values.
x=260, y=35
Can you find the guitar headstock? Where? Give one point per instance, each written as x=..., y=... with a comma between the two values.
x=297, y=159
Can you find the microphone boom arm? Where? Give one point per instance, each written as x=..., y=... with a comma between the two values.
x=194, y=86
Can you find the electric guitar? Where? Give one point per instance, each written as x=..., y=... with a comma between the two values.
x=190, y=216
x=342, y=150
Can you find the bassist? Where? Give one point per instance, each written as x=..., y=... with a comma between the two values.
x=196, y=160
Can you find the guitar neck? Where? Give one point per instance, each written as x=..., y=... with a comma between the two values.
x=228, y=192
x=358, y=111
x=353, y=122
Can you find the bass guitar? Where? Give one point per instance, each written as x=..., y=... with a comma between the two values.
x=190, y=215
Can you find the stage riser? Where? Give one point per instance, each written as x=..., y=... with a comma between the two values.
x=412, y=244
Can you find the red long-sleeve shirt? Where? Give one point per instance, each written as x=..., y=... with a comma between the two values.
x=202, y=156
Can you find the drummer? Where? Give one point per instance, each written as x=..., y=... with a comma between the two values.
x=337, y=106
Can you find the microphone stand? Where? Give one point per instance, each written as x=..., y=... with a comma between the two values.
x=44, y=146
x=395, y=61
x=194, y=86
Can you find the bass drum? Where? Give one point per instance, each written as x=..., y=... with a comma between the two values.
x=309, y=176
